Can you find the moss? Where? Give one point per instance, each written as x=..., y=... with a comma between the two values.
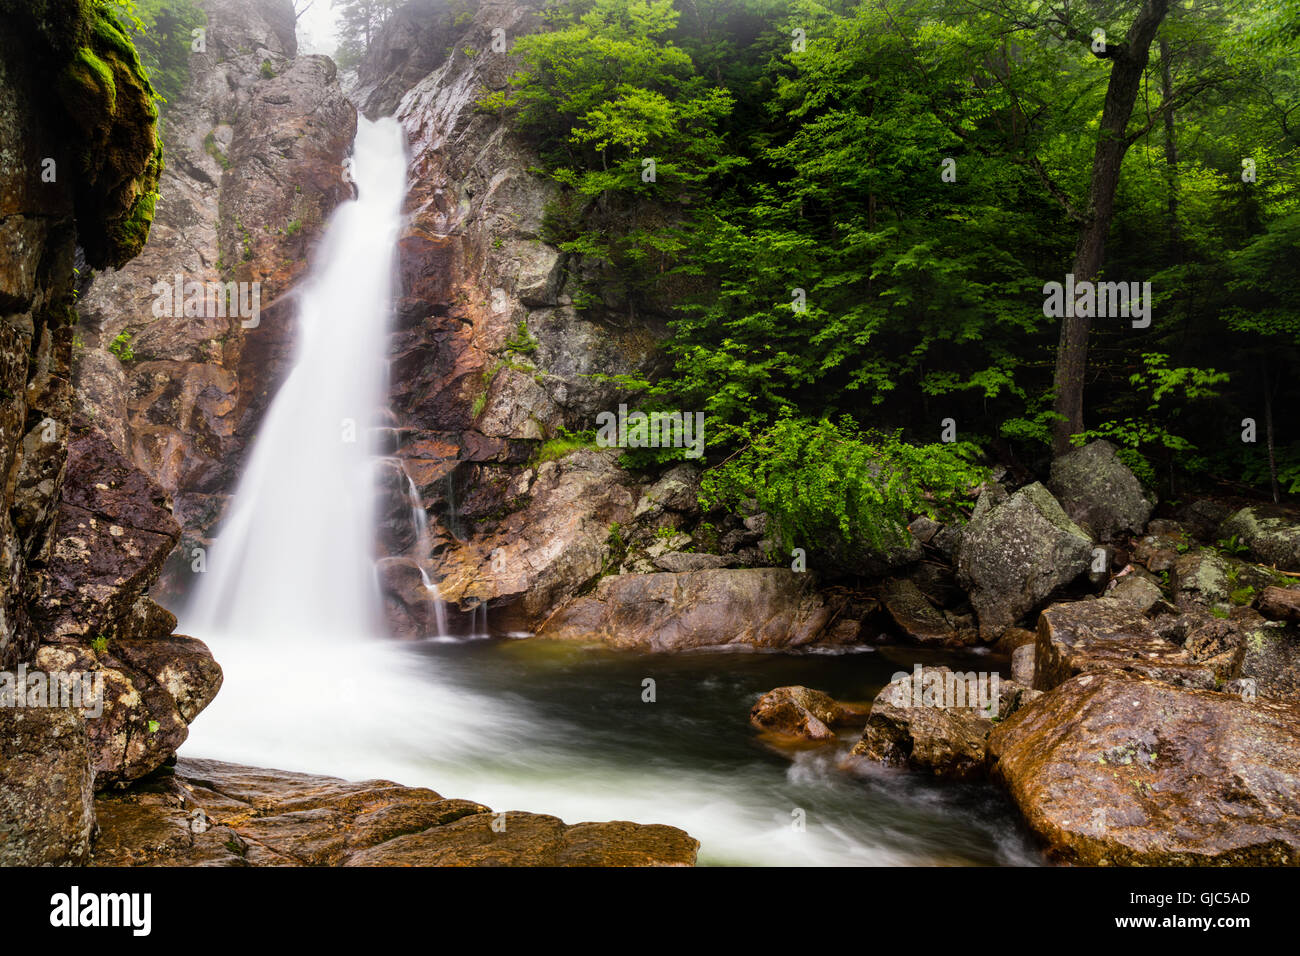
x=110, y=109
x=89, y=80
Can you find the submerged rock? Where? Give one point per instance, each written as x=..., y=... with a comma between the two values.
x=754, y=607
x=210, y=813
x=1120, y=769
x=803, y=713
x=1016, y=552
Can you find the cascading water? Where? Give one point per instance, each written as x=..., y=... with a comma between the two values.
x=289, y=606
x=290, y=603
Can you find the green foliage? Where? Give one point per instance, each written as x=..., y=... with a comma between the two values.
x=830, y=487
x=100, y=644
x=267, y=70
x=522, y=341
x=121, y=347
x=563, y=444
x=160, y=31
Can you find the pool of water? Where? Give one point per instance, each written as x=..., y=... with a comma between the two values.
x=566, y=729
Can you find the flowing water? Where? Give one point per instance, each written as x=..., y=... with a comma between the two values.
x=289, y=606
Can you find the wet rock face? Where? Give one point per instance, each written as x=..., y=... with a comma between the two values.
x=213, y=813
x=1115, y=769
x=1099, y=492
x=554, y=540
x=489, y=352
x=114, y=532
x=1016, y=552
x=151, y=690
x=757, y=607
x=254, y=168
x=46, y=785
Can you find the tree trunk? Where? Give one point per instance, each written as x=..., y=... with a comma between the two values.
x=1128, y=61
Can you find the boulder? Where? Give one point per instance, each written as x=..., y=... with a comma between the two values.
x=1099, y=491
x=1136, y=590
x=210, y=813
x=752, y=607
x=1104, y=634
x=1119, y=769
x=1208, y=578
x=936, y=720
x=47, y=812
x=150, y=692
x=803, y=713
x=1016, y=552
x=914, y=615
x=1271, y=534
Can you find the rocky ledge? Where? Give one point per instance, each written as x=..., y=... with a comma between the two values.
x=209, y=813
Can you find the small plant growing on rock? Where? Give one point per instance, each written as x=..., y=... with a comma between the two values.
x=100, y=644
x=121, y=347
x=523, y=341
x=267, y=70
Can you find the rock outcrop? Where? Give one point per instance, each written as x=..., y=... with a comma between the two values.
x=208, y=813
x=1120, y=769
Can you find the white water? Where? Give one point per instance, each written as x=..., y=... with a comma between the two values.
x=289, y=602
x=289, y=606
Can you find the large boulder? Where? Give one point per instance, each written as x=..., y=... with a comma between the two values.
x=47, y=814
x=755, y=607
x=1016, y=552
x=1099, y=491
x=1271, y=534
x=1077, y=637
x=936, y=720
x=914, y=615
x=1120, y=769
x=212, y=813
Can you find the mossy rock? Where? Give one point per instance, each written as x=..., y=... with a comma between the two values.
x=114, y=138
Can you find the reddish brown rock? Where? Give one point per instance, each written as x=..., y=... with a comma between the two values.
x=753, y=607
x=1096, y=635
x=1119, y=769
x=212, y=813
x=803, y=713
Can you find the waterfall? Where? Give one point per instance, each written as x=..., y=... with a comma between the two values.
x=290, y=604
x=294, y=552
